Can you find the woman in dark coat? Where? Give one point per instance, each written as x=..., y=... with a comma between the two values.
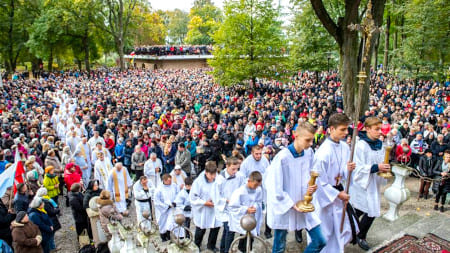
x=92, y=191
x=6, y=217
x=78, y=211
x=21, y=199
x=39, y=217
x=26, y=235
x=51, y=207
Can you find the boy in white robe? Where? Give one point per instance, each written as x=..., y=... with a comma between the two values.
x=143, y=191
x=119, y=182
x=286, y=181
x=228, y=180
x=365, y=187
x=332, y=162
x=165, y=205
x=102, y=169
x=100, y=149
x=203, y=206
x=247, y=199
x=184, y=203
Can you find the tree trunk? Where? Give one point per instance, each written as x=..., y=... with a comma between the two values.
x=50, y=60
x=86, y=52
x=348, y=69
x=11, y=66
x=375, y=52
x=386, y=43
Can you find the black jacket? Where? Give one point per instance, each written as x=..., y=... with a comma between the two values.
x=5, y=221
x=52, y=212
x=90, y=193
x=426, y=166
x=78, y=211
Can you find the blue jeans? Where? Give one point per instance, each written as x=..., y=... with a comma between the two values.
x=318, y=242
x=227, y=238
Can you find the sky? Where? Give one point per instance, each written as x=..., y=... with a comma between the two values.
x=186, y=5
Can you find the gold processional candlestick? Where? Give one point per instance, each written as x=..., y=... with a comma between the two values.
x=305, y=205
x=387, y=153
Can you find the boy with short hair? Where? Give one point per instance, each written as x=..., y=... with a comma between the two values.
x=247, y=199
x=165, y=205
x=183, y=202
x=203, y=206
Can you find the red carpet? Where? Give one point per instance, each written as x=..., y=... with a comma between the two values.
x=410, y=244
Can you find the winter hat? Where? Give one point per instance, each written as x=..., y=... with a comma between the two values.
x=20, y=215
x=41, y=192
x=105, y=198
x=36, y=202
x=48, y=169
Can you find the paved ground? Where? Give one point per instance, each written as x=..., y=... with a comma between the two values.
x=417, y=218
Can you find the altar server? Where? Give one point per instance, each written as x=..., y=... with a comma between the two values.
x=286, y=182
x=203, y=206
x=184, y=203
x=119, y=182
x=332, y=162
x=254, y=162
x=247, y=199
x=165, y=206
x=227, y=182
x=365, y=188
x=100, y=149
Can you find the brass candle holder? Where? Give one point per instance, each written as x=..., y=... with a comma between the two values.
x=305, y=205
x=387, y=153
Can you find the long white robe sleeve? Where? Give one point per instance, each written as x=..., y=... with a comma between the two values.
x=203, y=216
x=240, y=201
x=331, y=162
x=365, y=187
x=286, y=182
x=164, y=196
x=122, y=204
x=142, y=198
x=182, y=200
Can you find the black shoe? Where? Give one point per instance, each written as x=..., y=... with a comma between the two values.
x=298, y=236
x=426, y=196
x=214, y=250
x=362, y=243
x=442, y=209
x=436, y=207
x=420, y=196
x=268, y=235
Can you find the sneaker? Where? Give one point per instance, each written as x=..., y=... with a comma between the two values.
x=362, y=243
x=442, y=209
x=436, y=207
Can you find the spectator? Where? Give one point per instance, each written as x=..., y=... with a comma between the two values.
x=137, y=161
x=107, y=211
x=183, y=159
x=7, y=215
x=403, y=152
x=26, y=235
x=39, y=217
x=21, y=199
x=78, y=211
x=51, y=183
x=92, y=190
x=426, y=166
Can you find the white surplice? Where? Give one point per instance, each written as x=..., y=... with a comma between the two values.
x=122, y=204
x=240, y=201
x=101, y=172
x=331, y=162
x=286, y=181
x=224, y=186
x=250, y=164
x=365, y=187
x=203, y=216
x=182, y=200
x=164, y=197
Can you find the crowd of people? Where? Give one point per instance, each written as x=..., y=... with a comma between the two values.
x=165, y=50
x=175, y=141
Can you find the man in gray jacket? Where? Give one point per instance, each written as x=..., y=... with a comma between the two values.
x=137, y=162
x=183, y=158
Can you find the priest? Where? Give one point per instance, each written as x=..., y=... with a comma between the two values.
x=101, y=170
x=332, y=162
x=119, y=182
x=152, y=169
x=286, y=181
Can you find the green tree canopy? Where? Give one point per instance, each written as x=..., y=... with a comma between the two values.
x=204, y=21
x=249, y=44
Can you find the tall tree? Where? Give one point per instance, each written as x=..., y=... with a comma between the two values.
x=350, y=45
x=312, y=48
x=147, y=27
x=204, y=21
x=249, y=43
x=177, y=26
x=114, y=18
